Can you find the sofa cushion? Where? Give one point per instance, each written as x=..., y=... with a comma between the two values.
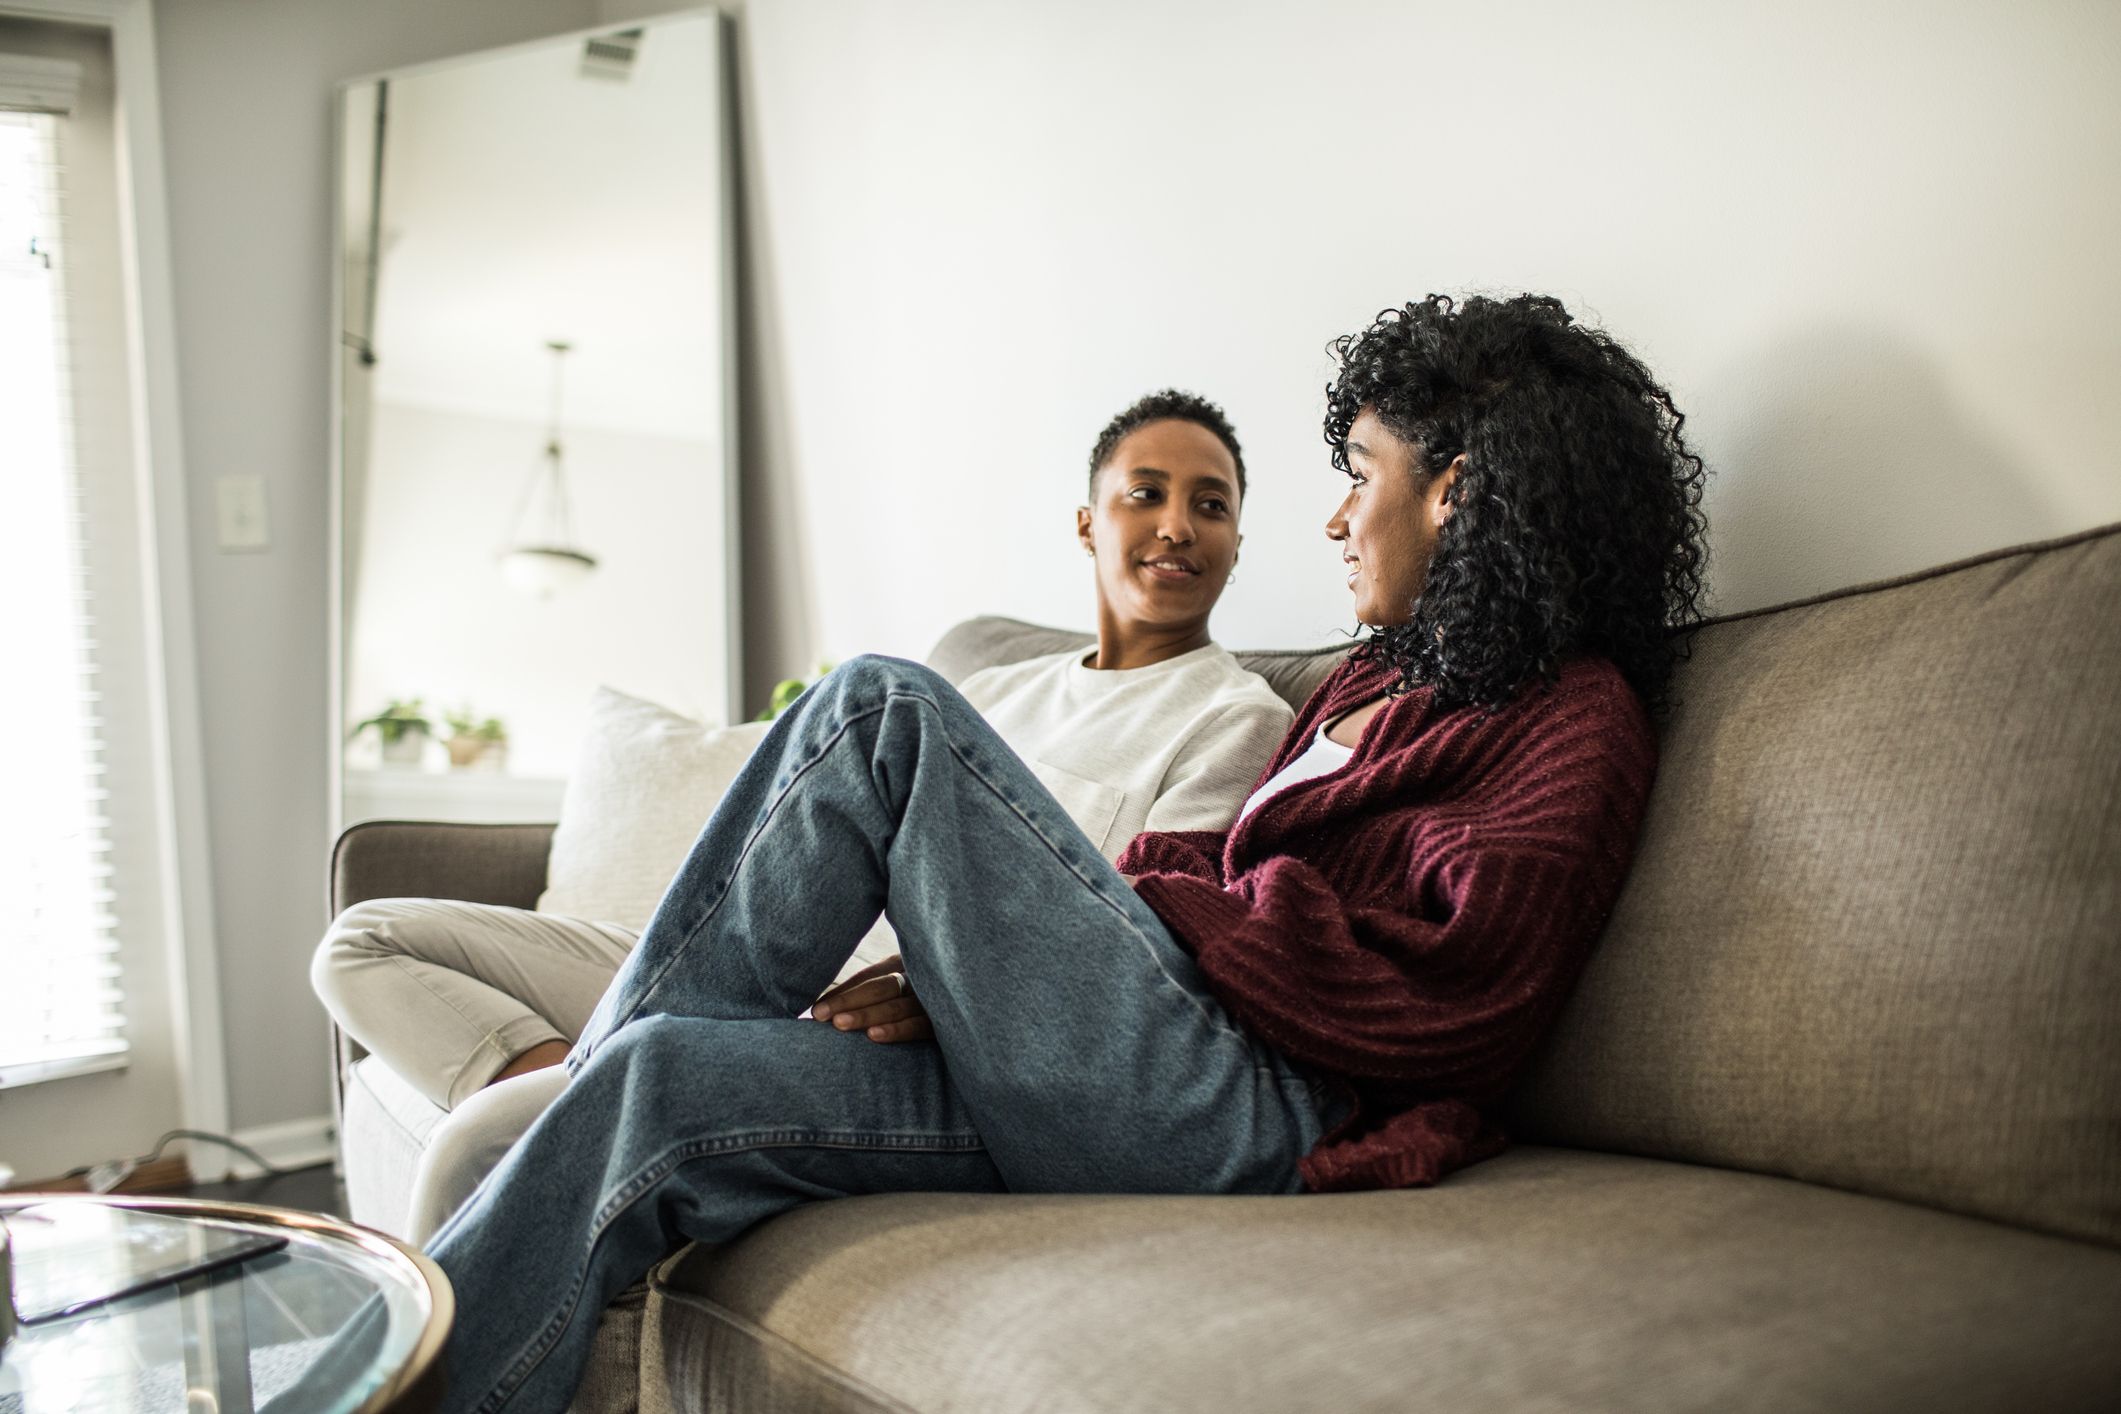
x=384, y=1126
x=1545, y=1279
x=990, y=641
x=1873, y=934
x=644, y=781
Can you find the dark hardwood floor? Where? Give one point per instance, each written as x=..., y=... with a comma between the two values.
x=315, y=1189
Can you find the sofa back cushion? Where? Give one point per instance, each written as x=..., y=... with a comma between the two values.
x=643, y=782
x=990, y=641
x=1872, y=938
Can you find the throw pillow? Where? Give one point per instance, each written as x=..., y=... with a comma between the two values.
x=645, y=782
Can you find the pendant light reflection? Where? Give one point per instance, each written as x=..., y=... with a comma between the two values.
x=543, y=561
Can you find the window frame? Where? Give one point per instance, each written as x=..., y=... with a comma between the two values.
x=169, y=625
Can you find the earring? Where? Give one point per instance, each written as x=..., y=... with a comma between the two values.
x=1090, y=550
x=1230, y=579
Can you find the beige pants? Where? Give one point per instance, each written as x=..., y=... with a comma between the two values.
x=448, y=993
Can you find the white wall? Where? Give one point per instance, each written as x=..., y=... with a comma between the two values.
x=1869, y=246
x=246, y=108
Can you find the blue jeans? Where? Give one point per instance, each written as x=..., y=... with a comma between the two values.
x=1077, y=1048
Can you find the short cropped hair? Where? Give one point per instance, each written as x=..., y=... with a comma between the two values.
x=1169, y=404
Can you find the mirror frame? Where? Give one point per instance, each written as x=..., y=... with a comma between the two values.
x=725, y=161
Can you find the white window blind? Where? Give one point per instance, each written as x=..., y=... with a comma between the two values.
x=29, y=84
x=61, y=1002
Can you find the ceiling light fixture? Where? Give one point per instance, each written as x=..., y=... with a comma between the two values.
x=544, y=561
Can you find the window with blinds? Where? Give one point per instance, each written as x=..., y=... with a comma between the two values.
x=61, y=999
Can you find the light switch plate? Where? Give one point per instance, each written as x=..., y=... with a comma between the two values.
x=240, y=503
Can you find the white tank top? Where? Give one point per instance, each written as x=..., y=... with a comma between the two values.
x=1322, y=757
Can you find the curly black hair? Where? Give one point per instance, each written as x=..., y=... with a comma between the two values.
x=1155, y=407
x=1576, y=523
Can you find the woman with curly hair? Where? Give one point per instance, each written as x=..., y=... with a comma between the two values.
x=1331, y=994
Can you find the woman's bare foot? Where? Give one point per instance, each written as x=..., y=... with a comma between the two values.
x=543, y=1054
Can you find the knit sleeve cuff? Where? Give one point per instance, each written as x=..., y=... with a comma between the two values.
x=1197, y=912
x=1197, y=853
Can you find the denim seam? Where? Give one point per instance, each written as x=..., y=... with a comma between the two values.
x=645, y=1178
x=722, y=888
x=676, y=1157
x=533, y=1354
x=576, y=1060
x=1060, y=856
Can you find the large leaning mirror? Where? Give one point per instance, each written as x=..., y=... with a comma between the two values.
x=535, y=472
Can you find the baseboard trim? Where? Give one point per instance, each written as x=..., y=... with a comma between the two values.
x=290, y=1144
x=170, y=1174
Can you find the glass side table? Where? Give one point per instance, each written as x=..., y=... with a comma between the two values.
x=230, y=1340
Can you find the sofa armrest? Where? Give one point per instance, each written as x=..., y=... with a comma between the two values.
x=502, y=864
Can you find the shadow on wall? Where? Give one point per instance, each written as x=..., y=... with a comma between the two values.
x=1846, y=457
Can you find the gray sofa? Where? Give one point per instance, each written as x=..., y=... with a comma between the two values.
x=1832, y=1122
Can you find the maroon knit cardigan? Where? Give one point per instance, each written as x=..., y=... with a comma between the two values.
x=1411, y=923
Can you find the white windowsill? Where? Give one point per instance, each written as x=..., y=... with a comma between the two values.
x=479, y=797
x=62, y=1068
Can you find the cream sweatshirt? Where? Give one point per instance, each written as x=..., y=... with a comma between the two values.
x=1173, y=746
